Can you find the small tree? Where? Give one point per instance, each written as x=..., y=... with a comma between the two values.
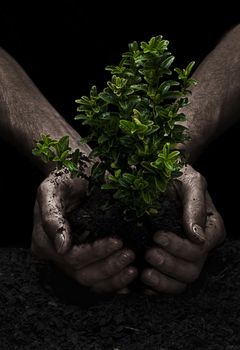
x=132, y=127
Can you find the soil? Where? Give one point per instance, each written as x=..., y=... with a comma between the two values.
x=99, y=217
x=42, y=309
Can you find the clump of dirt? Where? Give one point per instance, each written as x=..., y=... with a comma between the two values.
x=96, y=219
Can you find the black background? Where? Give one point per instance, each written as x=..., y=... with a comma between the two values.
x=64, y=47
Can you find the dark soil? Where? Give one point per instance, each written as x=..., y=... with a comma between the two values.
x=41, y=309
x=99, y=217
x=96, y=219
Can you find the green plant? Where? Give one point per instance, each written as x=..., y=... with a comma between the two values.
x=59, y=152
x=132, y=127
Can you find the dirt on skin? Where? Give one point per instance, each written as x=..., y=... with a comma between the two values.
x=42, y=309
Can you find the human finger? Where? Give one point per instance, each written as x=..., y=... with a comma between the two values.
x=174, y=267
x=56, y=196
x=178, y=246
x=88, y=253
x=161, y=282
x=104, y=269
x=117, y=283
x=191, y=188
x=52, y=215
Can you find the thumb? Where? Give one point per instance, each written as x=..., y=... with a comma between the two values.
x=53, y=219
x=191, y=188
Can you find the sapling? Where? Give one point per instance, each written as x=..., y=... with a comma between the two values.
x=133, y=128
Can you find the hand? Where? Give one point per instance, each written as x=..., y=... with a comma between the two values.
x=176, y=261
x=103, y=266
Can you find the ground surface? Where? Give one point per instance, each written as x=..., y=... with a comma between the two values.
x=36, y=313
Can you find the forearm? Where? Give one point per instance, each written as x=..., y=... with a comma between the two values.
x=25, y=113
x=215, y=101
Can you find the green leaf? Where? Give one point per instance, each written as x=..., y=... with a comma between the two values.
x=70, y=165
x=103, y=138
x=160, y=185
x=169, y=165
x=127, y=127
x=109, y=186
x=64, y=155
x=117, y=173
x=190, y=67
x=80, y=117
x=167, y=62
x=63, y=144
x=173, y=155
x=107, y=97
x=152, y=211
x=140, y=184
x=146, y=196
x=120, y=194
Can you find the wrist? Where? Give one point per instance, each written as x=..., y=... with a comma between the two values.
x=201, y=128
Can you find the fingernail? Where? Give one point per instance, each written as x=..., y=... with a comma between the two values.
x=198, y=232
x=131, y=272
x=160, y=260
x=163, y=241
x=125, y=257
x=115, y=244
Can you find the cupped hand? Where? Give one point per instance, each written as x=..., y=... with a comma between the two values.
x=175, y=261
x=103, y=266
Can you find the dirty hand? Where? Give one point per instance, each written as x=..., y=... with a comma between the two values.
x=176, y=261
x=103, y=265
